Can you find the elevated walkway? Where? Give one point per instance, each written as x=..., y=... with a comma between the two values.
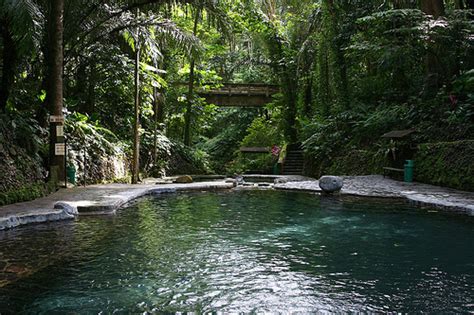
x=239, y=94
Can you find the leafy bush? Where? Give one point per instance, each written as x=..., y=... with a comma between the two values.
x=263, y=132
x=172, y=157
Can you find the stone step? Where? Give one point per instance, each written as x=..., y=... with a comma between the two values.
x=292, y=166
x=294, y=161
x=296, y=169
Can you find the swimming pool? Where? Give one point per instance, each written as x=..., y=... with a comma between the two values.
x=243, y=251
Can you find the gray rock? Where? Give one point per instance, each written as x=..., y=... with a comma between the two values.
x=331, y=184
x=281, y=180
x=185, y=179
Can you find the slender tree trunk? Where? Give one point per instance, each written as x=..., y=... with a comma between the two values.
x=308, y=95
x=470, y=4
x=188, y=114
x=433, y=7
x=81, y=85
x=324, y=85
x=459, y=4
x=91, y=89
x=403, y=4
x=136, y=129
x=55, y=89
x=290, y=87
x=338, y=64
x=8, y=64
x=433, y=73
x=155, y=127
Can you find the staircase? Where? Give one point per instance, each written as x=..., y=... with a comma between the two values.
x=294, y=162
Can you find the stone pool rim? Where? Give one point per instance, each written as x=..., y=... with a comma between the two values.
x=106, y=199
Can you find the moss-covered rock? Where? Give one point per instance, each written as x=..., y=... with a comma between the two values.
x=22, y=174
x=357, y=162
x=449, y=164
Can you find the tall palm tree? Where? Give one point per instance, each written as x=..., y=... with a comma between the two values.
x=55, y=87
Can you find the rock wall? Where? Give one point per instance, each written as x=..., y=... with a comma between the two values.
x=449, y=164
x=22, y=174
x=354, y=163
x=99, y=166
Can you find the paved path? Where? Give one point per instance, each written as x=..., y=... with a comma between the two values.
x=105, y=199
x=378, y=186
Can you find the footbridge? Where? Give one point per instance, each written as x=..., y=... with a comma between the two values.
x=239, y=94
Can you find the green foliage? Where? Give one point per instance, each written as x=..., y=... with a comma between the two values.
x=24, y=193
x=224, y=138
x=171, y=157
x=446, y=164
x=84, y=132
x=263, y=132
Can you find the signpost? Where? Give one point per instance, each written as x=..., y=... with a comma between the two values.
x=58, y=145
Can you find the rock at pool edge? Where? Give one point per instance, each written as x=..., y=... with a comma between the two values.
x=331, y=184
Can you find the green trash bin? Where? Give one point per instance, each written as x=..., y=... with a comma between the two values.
x=409, y=165
x=276, y=169
x=71, y=174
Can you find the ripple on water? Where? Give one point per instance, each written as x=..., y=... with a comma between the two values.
x=252, y=251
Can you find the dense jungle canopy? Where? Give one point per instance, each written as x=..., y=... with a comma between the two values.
x=127, y=75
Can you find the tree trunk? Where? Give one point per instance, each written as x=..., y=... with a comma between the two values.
x=9, y=59
x=290, y=88
x=308, y=95
x=188, y=114
x=324, y=93
x=433, y=7
x=470, y=4
x=91, y=89
x=459, y=4
x=155, y=127
x=55, y=89
x=338, y=64
x=433, y=71
x=403, y=4
x=136, y=128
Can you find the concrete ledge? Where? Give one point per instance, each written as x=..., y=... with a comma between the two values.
x=37, y=217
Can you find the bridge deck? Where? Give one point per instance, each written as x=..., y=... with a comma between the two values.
x=240, y=95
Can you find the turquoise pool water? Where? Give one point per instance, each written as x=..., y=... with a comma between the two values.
x=245, y=251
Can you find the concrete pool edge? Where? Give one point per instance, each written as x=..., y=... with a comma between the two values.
x=418, y=194
x=91, y=200
x=66, y=204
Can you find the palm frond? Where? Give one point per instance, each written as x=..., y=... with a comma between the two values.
x=26, y=22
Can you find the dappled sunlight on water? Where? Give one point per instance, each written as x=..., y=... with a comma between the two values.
x=244, y=251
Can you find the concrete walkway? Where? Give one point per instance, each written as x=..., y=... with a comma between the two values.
x=105, y=199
